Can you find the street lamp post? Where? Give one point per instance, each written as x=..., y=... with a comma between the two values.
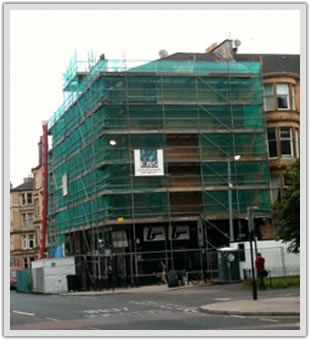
x=251, y=236
x=231, y=222
x=230, y=186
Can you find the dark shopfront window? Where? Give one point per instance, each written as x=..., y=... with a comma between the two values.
x=183, y=252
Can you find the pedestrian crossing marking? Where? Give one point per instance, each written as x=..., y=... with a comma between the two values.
x=123, y=311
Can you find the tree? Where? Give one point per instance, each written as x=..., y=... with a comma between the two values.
x=286, y=213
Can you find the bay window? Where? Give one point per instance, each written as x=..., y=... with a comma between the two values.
x=275, y=188
x=279, y=96
x=272, y=143
x=268, y=97
x=293, y=98
x=283, y=97
x=286, y=142
x=297, y=142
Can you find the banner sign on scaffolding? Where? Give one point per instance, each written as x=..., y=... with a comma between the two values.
x=154, y=234
x=64, y=185
x=149, y=162
x=176, y=233
x=179, y=232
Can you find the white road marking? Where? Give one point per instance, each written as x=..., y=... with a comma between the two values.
x=137, y=302
x=92, y=311
x=238, y=316
x=24, y=313
x=115, y=310
x=52, y=319
x=270, y=320
x=191, y=310
x=223, y=299
x=158, y=304
x=103, y=310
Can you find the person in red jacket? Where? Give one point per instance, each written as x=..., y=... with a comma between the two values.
x=260, y=268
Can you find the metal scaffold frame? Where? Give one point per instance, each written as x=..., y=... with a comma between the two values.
x=201, y=114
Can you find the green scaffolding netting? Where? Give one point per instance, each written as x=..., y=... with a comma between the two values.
x=200, y=114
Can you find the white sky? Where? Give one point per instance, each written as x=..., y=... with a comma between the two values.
x=42, y=43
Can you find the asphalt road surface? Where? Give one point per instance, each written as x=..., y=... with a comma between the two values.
x=169, y=310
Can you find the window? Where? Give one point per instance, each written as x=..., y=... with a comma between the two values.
x=272, y=143
x=293, y=98
x=27, y=262
x=27, y=220
x=287, y=182
x=29, y=198
x=241, y=252
x=268, y=97
x=25, y=198
x=31, y=241
x=297, y=142
x=24, y=241
x=22, y=199
x=24, y=220
x=28, y=241
x=286, y=142
x=283, y=96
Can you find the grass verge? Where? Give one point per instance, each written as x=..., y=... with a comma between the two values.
x=276, y=282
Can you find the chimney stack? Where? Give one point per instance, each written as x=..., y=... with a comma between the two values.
x=211, y=47
x=27, y=179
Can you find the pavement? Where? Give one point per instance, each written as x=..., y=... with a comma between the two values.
x=283, y=305
x=287, y=305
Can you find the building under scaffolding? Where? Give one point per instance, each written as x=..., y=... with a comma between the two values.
x=156, y=161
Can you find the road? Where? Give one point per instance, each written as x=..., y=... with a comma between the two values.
x=168, y=310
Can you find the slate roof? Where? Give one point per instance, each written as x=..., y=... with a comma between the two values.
x=182, y=56
x=28, y=185
x=275, y=63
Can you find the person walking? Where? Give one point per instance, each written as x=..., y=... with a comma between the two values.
x=162, y=269
x=110, y=276
x=260, y=269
